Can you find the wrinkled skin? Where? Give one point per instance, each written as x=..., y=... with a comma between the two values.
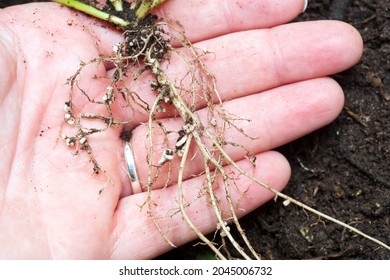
x=269, y=71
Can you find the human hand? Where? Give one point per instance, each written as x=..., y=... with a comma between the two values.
x=268, y=71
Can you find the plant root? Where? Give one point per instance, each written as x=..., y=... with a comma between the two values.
x=145, y=47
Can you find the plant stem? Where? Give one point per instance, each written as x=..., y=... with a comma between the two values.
x=146, y=6
x=93, y=12
x=117, y=4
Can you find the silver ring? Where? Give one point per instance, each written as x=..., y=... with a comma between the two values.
x=305, y=5
x=130, y=163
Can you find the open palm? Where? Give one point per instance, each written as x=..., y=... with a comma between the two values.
x=268, y=71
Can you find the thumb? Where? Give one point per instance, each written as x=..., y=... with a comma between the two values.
x=135, y=226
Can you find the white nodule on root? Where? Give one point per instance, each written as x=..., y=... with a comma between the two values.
x=222, y=230
x=286, y=202
x=71, y=121
x=115, y=48
x=167, y=156
x=181, y=141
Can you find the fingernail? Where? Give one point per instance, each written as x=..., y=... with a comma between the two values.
x=305, y=5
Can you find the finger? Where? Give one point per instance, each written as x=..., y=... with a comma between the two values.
x=254, y=61
x=134, y=227
x=258, y=60
x=203, y=20
x=277, y=116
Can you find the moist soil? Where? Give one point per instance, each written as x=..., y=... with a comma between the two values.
x=343, y=169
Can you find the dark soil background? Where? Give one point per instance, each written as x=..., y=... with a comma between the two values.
x=343, y=169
